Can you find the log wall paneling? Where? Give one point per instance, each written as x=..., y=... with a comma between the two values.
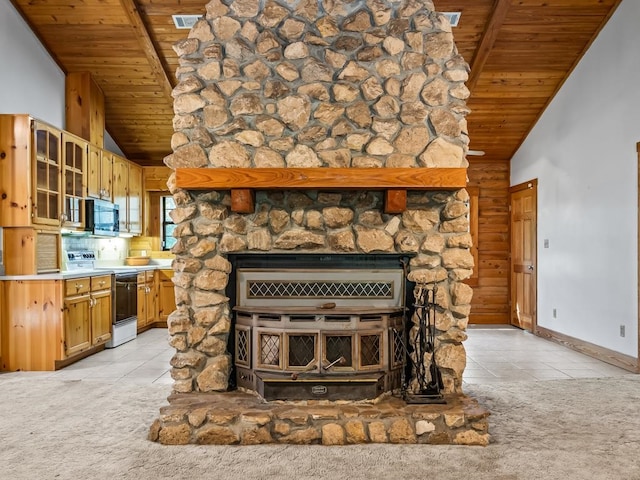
x=490, y=302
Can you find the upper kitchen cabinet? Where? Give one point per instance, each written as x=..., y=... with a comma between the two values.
x=120, y=186
x=135, y=199
x=127, y=193
x=30, y=172
x=75, y=151
x=42, y=174
x=84, y=107
x=100, y=174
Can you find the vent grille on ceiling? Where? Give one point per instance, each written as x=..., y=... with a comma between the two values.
x=185, y=21
x=454, y=17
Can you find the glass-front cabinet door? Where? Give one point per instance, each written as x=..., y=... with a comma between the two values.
x=47, y=163
x=75, y=151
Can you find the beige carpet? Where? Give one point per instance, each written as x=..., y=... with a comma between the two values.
x=568, y=429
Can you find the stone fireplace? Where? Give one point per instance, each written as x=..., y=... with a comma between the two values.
x=329, y=129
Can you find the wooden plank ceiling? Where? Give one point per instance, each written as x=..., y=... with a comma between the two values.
x=520, y=52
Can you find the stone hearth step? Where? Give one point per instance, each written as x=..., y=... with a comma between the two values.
x=238, y=418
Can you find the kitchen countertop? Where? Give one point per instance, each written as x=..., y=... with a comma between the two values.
x=89, y=272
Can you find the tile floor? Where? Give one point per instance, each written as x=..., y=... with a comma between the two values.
x=494, y=354
x=507, y=354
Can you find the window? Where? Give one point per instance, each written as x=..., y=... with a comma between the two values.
x=167, y=224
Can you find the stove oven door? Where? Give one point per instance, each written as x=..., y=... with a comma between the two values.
x=126, y=297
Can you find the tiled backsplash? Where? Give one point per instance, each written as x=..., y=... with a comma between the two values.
x=109, y=251
x=114, y=251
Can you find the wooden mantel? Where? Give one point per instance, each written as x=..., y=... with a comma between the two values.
x=394, y=181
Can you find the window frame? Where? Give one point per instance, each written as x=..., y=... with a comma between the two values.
x=166, y=238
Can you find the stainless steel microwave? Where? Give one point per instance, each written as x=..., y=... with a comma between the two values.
x=102, y=218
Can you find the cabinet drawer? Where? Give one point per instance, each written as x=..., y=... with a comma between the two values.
x=76, y=286
x=146, y=276
x=165, y=275
x=103, y=282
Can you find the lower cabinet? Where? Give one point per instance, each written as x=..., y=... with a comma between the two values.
x=47, y=324
x=166, y=295
x=147, y=300
x=77, y=327
x=101, y=309
x=88, y=311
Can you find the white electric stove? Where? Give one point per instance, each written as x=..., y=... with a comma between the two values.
x=124, y=295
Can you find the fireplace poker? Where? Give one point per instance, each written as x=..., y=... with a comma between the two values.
x=341, y=360
x=430, y=385
x=404, y=335
x=310, y=366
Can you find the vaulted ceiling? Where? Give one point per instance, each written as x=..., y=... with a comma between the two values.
x=520, y=52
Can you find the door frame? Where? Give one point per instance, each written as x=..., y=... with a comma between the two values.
x=528, y=185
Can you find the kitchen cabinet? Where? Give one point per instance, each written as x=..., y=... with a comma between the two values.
x=29, y=250
x=42, y=178
x=147, y=300
x=74, y=166
x=120, y=186
x=47, y=169
x=30, y=172
x=101, y=309
x=135, y=191
x=77, y=308
x=2, y=318
x=88, y=311
x=100, y=174
x=166, y=295
x=32, y=334
x=127, y=193
x=48, y=324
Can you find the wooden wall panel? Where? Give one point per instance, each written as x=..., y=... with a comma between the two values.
x=490, y=302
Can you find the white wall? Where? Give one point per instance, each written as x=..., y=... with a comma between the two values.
x=583, y=152
x=31, y=82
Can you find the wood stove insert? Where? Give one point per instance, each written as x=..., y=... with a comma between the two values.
x=331, y=328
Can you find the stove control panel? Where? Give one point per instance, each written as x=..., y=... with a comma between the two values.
x=80, y=259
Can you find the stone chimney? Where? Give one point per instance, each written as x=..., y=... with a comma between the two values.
x=316, y=84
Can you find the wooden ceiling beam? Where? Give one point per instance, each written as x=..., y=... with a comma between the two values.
x=498, y=15
x=148, y=47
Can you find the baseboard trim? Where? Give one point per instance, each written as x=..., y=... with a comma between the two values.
x=58, y=364
x=600, y=353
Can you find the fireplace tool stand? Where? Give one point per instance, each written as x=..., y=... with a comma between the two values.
x=420, y=353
